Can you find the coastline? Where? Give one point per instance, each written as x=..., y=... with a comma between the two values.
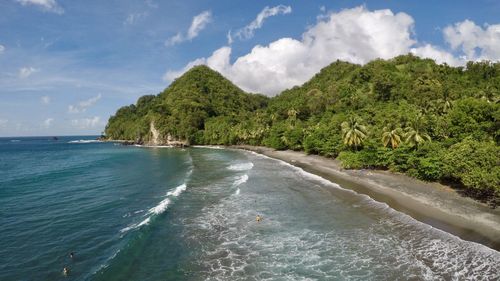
x=431, y=203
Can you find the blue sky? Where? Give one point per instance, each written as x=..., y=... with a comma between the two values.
x=67, y=65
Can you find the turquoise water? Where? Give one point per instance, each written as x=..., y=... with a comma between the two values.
x=133, y=213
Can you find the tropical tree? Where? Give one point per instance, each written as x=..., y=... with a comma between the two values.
x=415, y=133
x=392, y=135
x=353, y=132
x=292, y=116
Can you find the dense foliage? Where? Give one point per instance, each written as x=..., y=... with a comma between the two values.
x=407, y=114
x=184, y=109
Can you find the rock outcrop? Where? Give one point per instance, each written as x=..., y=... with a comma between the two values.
x=157, y=139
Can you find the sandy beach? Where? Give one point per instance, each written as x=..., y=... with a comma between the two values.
x=432, y=203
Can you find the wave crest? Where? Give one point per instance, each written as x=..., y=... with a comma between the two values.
x=84, y=141
x=177, y=191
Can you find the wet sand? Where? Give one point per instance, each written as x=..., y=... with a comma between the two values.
x=431, y=203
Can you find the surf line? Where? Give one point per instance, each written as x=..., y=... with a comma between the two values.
x=159, y=208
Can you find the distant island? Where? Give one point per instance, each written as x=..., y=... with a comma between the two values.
x=407, y=114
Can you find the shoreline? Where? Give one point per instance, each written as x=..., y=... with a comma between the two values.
x=432, y=203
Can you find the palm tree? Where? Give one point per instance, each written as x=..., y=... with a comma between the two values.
x=353, y=132
x=415, y=134
x=392, y=135
x=292, y=116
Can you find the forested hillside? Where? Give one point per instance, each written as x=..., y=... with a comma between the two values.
x=407, y=114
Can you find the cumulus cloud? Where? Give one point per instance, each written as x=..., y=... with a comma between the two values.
x=355, y=35
x=25, y=72
x=83, y=105
x=437, y=54
x=87, y=123
x=48, y=122
x=248, y=31
x=45, y=99
x=475, y=42
x=2, y=49
x=45, y=5
x=198, y=23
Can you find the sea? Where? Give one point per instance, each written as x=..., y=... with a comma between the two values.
x=139, y=213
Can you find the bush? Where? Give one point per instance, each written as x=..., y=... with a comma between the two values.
x=351, y=160
x=358, y=160
x=475, y=164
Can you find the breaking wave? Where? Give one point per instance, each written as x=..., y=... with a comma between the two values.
x=159, y=208
x=84, y=141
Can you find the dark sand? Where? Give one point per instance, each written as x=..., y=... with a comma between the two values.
x=431, y=203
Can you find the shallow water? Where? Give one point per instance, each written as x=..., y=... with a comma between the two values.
x=135, y=213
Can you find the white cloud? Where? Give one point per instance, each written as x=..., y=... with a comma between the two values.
x=45, y=99
x=46, y=5
x=134, y=18
x=25, y=72
x=48, y=122
x=437, y=54
x=229, y=38
x=198, y=23
x=178, y=38
x=355, y=35
x=475, y=42
x=2, y=49
x=248, y=31
x=83, y=105
x=87, y=123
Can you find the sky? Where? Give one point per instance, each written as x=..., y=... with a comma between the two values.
x=67, y=65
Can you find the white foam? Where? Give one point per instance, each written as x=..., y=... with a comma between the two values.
x=154, y=146
x=407, y=219
x=241, y=166
x=177, y=191
x=161, y=207
x=158, y=209
x=208, y=146
x=240, y=180
x=237, y=191
x=84, y=141
x=144, y=222
x=134, y=226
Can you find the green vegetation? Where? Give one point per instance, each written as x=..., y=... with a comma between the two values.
x=409, y=115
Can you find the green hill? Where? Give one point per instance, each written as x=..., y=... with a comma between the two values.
x=181, y=110
x=407, y=114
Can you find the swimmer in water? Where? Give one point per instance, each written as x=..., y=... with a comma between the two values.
x=258, y=218
x=71, y=255
x=65, y=271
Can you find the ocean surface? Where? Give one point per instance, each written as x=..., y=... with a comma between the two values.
x=135, y=213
